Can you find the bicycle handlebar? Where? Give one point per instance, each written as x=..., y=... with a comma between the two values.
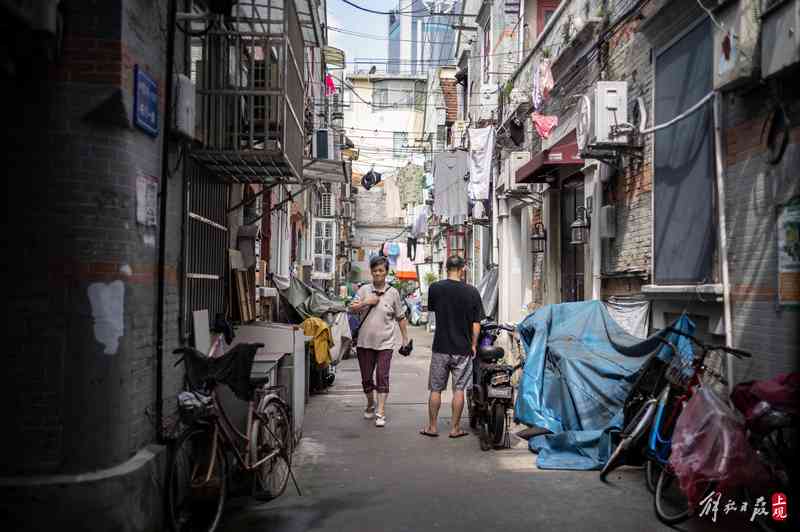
x=738, y=353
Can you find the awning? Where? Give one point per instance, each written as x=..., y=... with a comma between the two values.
x=327, y=170
x=334, y=57
x=307, y=12
x=562, y=159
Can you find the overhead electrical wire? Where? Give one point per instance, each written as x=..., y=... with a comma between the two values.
x=380, y=38
x=406, y=13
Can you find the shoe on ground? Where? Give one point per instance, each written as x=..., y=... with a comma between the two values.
x=380, y=421
x=369, y=412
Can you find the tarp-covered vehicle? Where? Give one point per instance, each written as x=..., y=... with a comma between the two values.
x=580, y=368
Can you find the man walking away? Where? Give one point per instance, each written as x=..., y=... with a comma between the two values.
x=459, y=310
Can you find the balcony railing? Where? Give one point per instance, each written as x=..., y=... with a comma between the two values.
x=250, y=91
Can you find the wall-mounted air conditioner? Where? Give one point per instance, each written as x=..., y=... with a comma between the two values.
x=604, y=106
x=511, y=164
x=322, y=144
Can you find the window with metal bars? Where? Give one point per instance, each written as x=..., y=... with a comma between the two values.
x=206, y=245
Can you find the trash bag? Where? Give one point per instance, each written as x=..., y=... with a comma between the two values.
x=709, y=444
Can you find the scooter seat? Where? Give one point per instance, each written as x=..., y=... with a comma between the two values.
x=490, y=353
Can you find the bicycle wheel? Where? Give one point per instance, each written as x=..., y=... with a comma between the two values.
x=630, y=437
x=196, y=483
x=670, y=503
x=272, y=439
x=498, y=424
x=652, y=470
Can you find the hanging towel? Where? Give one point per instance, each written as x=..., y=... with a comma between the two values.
x=544, y=124
x=393, y=207
x=481, y=151
x=537, y=88
x=546, y=81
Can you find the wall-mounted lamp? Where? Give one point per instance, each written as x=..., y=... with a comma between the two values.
x=539, y=238
x=580, y=227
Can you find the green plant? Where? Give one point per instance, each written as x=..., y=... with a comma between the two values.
x=430, y=278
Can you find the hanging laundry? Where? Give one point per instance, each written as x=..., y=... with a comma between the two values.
x=330, y=87
x=536, y=100
x=420, y=227
x=544, y=124
x=393, y=207
x=481, y=152
x=450, y=189
x=546, y=81
x=409, y=181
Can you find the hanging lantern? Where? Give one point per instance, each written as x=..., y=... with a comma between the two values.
x=538, y=238
x=580, y=227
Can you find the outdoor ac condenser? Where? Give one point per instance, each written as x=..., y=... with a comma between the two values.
x=604, y=106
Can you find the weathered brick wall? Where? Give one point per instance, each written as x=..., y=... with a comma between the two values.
x=82, y=401
x=754, y=188
x=627, y=58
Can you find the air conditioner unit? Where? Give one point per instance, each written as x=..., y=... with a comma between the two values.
x=184, y=98
x=608, y=221
x=512, y=163
x=322, y=144
x=604, y=106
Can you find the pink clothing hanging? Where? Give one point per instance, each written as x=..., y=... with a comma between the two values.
x=330, y=88
x=544, y=124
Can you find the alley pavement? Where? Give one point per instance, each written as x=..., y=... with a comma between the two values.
x=356, y=477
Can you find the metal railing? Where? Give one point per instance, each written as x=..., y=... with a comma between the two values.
x=250, y=90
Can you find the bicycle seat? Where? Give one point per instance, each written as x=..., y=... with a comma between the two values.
x=490, y=353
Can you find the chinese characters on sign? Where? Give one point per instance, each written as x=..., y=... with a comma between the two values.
x=145, y=102
x=710, y=507
x=789, y=253
x=146, y=200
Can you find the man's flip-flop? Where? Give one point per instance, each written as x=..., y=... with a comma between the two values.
x=430, y=434
x=459, y=435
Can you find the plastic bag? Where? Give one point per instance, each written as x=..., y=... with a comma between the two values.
x=709, y=444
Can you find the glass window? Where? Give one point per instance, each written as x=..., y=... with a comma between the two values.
x=400, y=139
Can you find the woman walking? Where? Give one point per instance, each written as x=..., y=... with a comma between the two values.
x=381, y=308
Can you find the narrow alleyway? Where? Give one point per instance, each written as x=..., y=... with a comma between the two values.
x=357, y=477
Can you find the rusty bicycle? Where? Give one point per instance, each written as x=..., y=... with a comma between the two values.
x=198, y=466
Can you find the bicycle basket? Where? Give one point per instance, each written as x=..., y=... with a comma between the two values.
x=194, y=407
x=680, y=370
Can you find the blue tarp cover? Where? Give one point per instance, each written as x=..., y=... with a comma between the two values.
x=579, y=369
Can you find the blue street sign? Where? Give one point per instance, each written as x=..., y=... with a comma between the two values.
x=145, y=102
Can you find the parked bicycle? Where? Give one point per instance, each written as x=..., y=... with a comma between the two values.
x=197, y=471
x=685, y=375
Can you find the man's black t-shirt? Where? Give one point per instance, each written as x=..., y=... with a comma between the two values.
x=457, y=306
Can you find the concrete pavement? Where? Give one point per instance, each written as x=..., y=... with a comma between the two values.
x=360, y=478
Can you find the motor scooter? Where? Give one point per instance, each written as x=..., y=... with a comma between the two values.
x=491, y=396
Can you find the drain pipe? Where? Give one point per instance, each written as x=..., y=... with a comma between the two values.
x=172, y=8
x=723, y=238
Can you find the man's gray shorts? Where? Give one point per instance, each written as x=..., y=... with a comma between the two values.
x=441, y=367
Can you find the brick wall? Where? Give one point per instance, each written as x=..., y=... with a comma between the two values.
x=753, y=190
x=79, y=404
